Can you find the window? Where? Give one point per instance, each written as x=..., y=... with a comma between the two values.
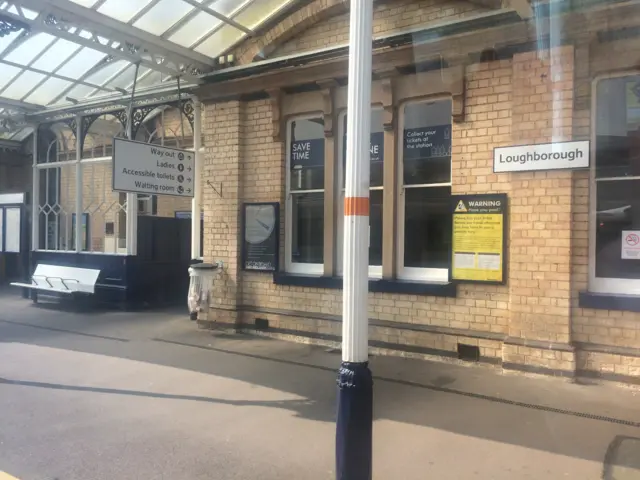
x=305, y=196
x=375, y=191
x=615, y=183
x=424, y=181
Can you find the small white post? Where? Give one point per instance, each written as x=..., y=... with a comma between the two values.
x=196, y=203
x=35, y=195
x=78, y=225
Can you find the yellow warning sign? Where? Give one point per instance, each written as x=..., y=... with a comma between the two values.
x=460, y=207
x=478, y=238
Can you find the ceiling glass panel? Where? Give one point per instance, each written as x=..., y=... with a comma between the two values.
x=48, y=91
x=85, y=3
x=217, y=43
x=259, y=11
x=81, y=62
x=124, y=79
x=57, y=53
x=141, y=74
x=30, y=48
x=22, y=85
x=162, y=16
x=30, y=14
x=179, y=21
x=123, y=10
x=7, y=39
x=22, y=134
x=195, y=29
x=227, y=7
x=79, y=92
x=106, y=72
x=7, y=72
x=149, y=80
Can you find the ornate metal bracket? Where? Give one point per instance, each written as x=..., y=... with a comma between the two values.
x=86, y=125
x=121, y=115
x=139, y=114
x=186, y=108
x=9, y=25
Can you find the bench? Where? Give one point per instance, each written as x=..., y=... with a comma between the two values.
x=62, y=280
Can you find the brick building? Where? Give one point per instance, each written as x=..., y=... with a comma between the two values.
x=490, y=77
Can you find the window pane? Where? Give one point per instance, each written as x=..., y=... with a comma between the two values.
x=375, y=227
x=306, y=152
x=376, y=150
x=618, y=127
x=427, y=143
x=307, y=227
x=427, y=239
x=618, y=210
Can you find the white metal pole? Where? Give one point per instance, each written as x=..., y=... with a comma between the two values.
x=132, y=202
x=196, y=203
x=78, y=225
x=355, y=394
x=35, y=195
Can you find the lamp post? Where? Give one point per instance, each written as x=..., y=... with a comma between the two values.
x=354, y=423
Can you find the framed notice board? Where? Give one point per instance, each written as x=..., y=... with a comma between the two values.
x=260, y=236
x=479, y=238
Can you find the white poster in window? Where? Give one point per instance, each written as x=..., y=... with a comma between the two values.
x=12, y=230
x=631, y=244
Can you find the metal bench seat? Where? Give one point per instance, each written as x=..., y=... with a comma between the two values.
x=64, y=280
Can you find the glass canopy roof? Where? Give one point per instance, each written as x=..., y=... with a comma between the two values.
x=55, y=53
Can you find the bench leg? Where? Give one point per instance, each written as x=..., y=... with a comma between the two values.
x=34, y=296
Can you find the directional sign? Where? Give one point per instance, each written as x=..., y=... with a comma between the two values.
x=145, y=168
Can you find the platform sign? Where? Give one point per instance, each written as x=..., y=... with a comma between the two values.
x=479, y=234
x=146, y=168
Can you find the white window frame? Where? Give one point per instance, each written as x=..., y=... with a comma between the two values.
x=427, y=275
x=290, y=266
x=375, y=271
x=596, y=284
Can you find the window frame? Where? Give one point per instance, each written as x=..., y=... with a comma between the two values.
x=375, y=271
x=427, y=275
x=290, y=266
x=605, y=285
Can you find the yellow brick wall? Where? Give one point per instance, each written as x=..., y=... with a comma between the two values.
x=535, y=97
x=389, y=17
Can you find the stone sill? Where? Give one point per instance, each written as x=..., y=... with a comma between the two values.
x=375, y=285
x=605, y=301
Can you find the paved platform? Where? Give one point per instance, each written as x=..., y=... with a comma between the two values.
x=113, y=395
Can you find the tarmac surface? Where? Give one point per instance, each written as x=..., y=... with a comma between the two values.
x=147, y=395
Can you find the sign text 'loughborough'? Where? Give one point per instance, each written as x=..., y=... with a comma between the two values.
x=547, y=156
x=145, y=168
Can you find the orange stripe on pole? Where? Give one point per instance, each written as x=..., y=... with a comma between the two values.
x=356, y=206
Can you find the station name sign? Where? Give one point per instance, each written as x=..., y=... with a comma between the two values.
x=546, y=156
x=146, y=168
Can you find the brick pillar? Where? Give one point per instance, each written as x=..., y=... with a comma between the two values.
x=541, y=214
x=221, y=200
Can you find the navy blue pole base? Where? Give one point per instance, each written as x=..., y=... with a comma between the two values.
x=354, y=424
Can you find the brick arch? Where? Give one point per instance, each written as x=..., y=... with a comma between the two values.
x=262, y=46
